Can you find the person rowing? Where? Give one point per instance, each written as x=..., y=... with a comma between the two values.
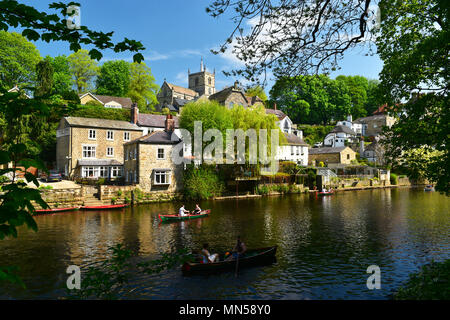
x=183, y=212
x=207, y=257
x=238, y=251
x=197, y=209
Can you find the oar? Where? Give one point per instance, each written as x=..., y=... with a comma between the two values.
x=237, y=265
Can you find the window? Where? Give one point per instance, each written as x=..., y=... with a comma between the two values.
x=209, y=82
x=348, y=157
x=89, y=172
x=160, y=153
x=104, y=172
x=135, y=153
x=88, y=151
x=162, y=177
x=298, y=151
x=292, y=150
x=126, y=136
x=196, y=81
x=92, y=134
x=110, y=151
x=110, y=135
x=116, y=172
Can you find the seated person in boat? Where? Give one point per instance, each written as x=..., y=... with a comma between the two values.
x=238, y=251
x=207, y=257
x=183, y=212
x=197, y=209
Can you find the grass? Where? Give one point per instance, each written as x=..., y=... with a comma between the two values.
x=432, y=282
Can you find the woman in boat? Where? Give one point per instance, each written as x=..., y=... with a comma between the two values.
x=197, y=209
x=207, y=257
x=239, y=250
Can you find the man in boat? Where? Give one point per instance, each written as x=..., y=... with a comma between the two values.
x=207, y=257
x=197, y=209
x=183, y=212
x=239, y=250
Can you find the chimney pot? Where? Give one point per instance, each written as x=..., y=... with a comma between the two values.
x=134, y=113
x=169, y=123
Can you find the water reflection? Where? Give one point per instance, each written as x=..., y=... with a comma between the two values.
x=325, y=244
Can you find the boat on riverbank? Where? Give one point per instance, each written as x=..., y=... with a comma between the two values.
x=325, y=193
x=105, y=207
x=251, y=258
x=56, y=210
x=175, y=217
x=429, y=188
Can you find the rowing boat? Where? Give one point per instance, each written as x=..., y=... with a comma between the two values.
x=325, y=193
x=106, y=207
x=175, y=217
x=56, y=210
x=251, y=258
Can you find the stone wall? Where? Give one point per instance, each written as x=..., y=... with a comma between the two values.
x=63, y=197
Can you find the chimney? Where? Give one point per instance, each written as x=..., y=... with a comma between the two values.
x=236, y=83
x=134, y=113
x=300, y=134
x=349, y=118
x=169, y=123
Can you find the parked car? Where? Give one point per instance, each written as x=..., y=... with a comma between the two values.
x=318, y=144
x=52, y=175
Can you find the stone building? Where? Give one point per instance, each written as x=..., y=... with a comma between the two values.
x=202, y=82
x=169, y=94
x=230, y=96
x=148, y=161
x=330, y=155
x=92, y=148
x=372, y=126
x=107, y=101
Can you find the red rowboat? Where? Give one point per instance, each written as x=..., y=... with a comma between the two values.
x=105, y=207
x=175, y=217
x=56, y=210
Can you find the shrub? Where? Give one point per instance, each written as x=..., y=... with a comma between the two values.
x=394, y=178
x=113, y=200
x=263, y=190
x=288, y=167
x=202, y=183
x=4, y=179
x=321, y=164
x=127, y=200
x=101, y=181
x=119, y=193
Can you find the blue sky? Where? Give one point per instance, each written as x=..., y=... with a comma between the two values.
x=176, y=34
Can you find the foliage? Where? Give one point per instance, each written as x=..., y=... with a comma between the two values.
x=313, y=99
x=88, y=111
x=256, y=91
x=394, y=179
x=202, y=183
x=44, y=72
x=293, y=37
x=432, y=282
x=83, y=70
x=62, y=78
x=413, y=44
x=358, y=87
x=114, y=78
x=289, y=167
x=143, y=88
x=40, y=25
x=314, y=133
x=18, y=59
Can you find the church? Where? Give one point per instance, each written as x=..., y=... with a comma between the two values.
x=201, y=84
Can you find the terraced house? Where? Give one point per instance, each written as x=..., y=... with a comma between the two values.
x=93, y=148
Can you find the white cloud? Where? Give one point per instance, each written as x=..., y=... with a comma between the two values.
x=181, y=79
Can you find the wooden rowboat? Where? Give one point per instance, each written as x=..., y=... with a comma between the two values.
x=106, y=207
x=251, y=258
x=56, y=210
x=175, y=217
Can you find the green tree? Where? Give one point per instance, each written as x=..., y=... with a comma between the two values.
x=143, y=88
x=114, y=78
x=83, y=70
x=374, y=98
x=18, y=59
x=256, y=91
x=44, y=71
x=413, y=44
x=315, y=99
x=357, y=87
x=62, y=77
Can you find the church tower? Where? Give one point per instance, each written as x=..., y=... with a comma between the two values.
x=202, y=82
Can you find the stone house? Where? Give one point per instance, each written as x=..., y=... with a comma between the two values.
x=148, y=161
x=372, y=126
x=107, y=101
x=331, y=155
x=92, y=148
x=230, y=96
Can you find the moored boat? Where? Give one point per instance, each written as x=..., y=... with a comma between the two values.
x=56, y=210
x=105, y=207
x=251, y=258
x=325, y=193
x=175, y=217
x=428, y=188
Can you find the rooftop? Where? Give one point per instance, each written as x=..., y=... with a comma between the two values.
x=125, y=102
x=156, y=137
x=326, y=150
x=280, y=114
x=345, y=129
x=101, y=123
x=292, y=139
x=154, y=120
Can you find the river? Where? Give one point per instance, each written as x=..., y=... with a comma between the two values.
x=325, y=245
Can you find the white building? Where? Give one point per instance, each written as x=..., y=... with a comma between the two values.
x=339, y=136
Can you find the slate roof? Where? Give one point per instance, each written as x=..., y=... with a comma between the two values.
x=345, y=129
x=155, y=120
x=292, y=139
x=370, y=118
x=125, y=102
x=222, y=95
x=326, y=150
x=280, y=114
x=101, y=123
x=182, y=90
x=156, y=137
x=99, y=162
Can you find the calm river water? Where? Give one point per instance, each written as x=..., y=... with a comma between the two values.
x=325, y=245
